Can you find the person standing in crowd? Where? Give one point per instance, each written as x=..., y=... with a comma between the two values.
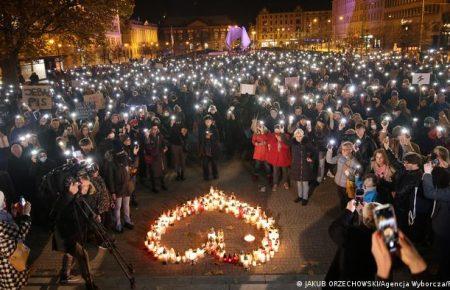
x=261, y=167
x=119, y=182
x=155, y=147
x=14, y=228
x=304, y=164
x=436, y=186
x=178, y=147
x=132, y=150
x=364, y=147
x=412, y=209
x=385, y=174
x=319, y=138
x=18, y=169
x=347, y=167
x=209, y=148
x=279, y=156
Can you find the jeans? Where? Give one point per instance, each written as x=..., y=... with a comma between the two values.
x=206, y=162
x=303, y=189
x=276, y=175
x=122, y=202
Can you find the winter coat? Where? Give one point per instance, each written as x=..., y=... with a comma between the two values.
x=154, y=155
x=343, y=164
x=260, y=152
x=353, y=260
x=10, y=234
x=365, y=152
x=209, y=147
x=301, y=169
x=118, y=179
x=441, y=214
x=278, y=153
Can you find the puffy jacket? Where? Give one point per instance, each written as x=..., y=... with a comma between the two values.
x=260, y=152
x=278, y=153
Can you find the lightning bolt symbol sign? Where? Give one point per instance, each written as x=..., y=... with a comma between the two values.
x=420, y=78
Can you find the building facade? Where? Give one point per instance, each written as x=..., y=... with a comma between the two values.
x=140, y=39
x=292, y=29
x=389, y=24
x=185, y=34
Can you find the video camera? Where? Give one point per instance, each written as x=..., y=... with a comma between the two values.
x=57, y=180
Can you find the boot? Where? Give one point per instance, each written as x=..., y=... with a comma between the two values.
x=178, y=178
x=182, y=175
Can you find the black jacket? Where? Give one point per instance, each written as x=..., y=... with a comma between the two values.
x=354, y=260
x=441, y=214
x=209, y=147
x=365, y=152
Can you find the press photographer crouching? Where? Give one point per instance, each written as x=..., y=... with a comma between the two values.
x=14, y=228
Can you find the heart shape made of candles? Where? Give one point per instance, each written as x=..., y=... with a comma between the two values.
x=215, y=200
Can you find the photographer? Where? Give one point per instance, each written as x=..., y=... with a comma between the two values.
x=436, y=187
x=70, y=233
x=13, y=228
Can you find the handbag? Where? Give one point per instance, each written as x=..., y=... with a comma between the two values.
x=19, y=257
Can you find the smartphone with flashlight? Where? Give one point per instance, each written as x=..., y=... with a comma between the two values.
x=22, y=201
x=386, y=223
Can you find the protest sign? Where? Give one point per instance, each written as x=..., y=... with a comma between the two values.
x=292, y=82
x=96, y=99
x=248, y=89
x=37, y=97
x=85, y=111
x=421, y=79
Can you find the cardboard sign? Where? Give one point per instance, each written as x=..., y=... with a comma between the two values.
x=421, y=79
x=84, y=111
x=159, y=65
x=96, y=99
x=248, y=89
x=37, y=97
x=292, y=82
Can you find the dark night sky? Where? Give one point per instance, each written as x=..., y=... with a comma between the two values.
x=241, y=11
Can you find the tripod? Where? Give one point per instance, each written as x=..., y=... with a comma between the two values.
x=101, y=232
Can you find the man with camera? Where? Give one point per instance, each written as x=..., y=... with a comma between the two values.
x=70, y=232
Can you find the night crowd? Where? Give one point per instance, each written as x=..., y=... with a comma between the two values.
x=357, y=120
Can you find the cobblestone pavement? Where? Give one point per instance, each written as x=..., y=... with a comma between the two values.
x=306, y=249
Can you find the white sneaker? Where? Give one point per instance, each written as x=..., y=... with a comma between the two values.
x=329, y=174
x=262, y=189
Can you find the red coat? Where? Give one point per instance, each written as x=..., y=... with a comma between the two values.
x=260, y=152
x=278, y=153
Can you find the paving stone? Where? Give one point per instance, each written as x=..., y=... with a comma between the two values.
x=306, y=248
